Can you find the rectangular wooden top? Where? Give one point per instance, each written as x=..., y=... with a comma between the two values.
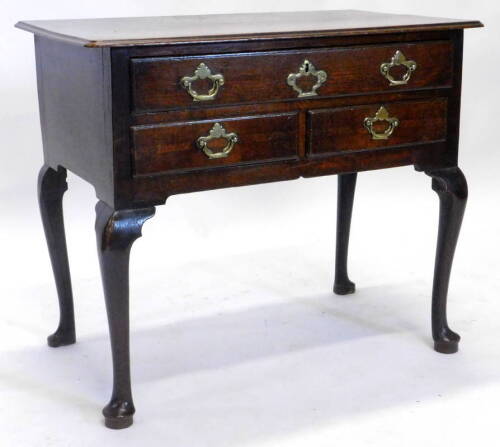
x=131, y=31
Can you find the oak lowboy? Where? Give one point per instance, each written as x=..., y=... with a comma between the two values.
x=144, y=108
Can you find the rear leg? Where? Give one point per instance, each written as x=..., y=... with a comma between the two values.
x=51, y=187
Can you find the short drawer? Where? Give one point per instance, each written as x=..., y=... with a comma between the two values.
x=376, y=126
x=214, y=143
x=163, y=83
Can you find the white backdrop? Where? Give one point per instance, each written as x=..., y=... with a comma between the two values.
x=236, y=337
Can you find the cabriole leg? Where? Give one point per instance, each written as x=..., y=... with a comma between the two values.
x=345, y=198
x=116, y=231
x=451, y=187
x=51, y=187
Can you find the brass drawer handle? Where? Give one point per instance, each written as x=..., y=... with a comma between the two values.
x=305, y=70
x=398, y=59
x=216, y=132
x=381, y=115
x=203, y=72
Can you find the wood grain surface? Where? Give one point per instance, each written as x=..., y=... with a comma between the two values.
x=262, y=77
x=133, y=31
x=172, y=146
x=336, y=130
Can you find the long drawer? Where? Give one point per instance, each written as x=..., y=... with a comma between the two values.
x=331, y=131
x=163, y=83
x=214, y=143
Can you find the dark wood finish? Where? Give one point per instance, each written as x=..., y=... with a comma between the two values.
x=338, y=130
x=135, y=31
x=74, y=100
x=286, y=43
x=117, y=116
x=51, y=188
x=98, y=89
x=116, y=231
x=172, y=146
x=451, y=187
x=310, y=104
x=162, y=186
x=345, y=199
x=262, y=76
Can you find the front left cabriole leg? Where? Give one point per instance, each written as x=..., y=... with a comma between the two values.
x=451, y=186
x=116, y=231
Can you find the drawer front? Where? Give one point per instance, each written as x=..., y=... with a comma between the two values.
x=214, y=143
x=163, y=83
x=376, y=126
